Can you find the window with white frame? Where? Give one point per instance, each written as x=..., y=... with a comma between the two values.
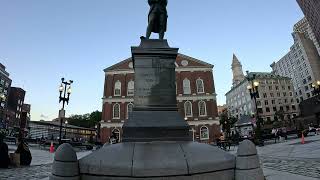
x=188, y=109
x=117, y=133
x=200, y=86
x=204, y=133
x=117, y=88
x=186, y=86
x=129, y=109
x=130, y=91
x=116, y=111
x=202, y=108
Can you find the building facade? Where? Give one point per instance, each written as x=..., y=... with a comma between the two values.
x=237, y=71
x=301, y=64
x=15, y=104
x=311, y=9
x=196, y=98
x=276, y=94
x=50, y=130
x=5, y=83
x=304, y=27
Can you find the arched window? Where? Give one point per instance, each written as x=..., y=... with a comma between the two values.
x=117, y=132
x=204, y=133
x=186, y=86
x=129, y=109
x=116, y=111
x=117, y=88
x=130, y=91
x=200, y=86
x=188, y=109
x=202, y=108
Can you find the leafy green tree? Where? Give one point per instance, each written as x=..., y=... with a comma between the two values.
x=227, y=123
x=88, y=120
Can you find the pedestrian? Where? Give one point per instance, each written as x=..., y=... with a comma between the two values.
x=4, y=153
x=25, y=154
x=274, y=132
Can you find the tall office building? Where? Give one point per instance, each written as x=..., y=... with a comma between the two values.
x=304, y=27
x=311, y=9
x=301, y=64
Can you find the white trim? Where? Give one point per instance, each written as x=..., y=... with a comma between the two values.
x=125, y=71
x=131, y=81
x=185, y=109
x=178, y=69
x=196, y=98
x=119, y=133
x=110, y=125
x=205, y=108
x=202, y=83
x=119, y=111
x=117, y=83
x=179, y=98
x=202, y=122
x=192, y=69
x=118, y=100
x=127, y=114
x=208, y=133
x=186, y=82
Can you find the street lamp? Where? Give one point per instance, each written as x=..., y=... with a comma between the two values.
x=65, y=90
x=253, y=90
x=254, y=93
x=316, y=88
x=65, y=129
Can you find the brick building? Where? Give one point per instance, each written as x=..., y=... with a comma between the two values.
x=196, y=98
x=15, y=104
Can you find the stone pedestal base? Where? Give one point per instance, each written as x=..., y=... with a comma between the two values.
x=158, y=160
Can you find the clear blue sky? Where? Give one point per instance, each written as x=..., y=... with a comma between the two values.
x=42, y=41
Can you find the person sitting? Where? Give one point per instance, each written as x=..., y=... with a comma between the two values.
x=4, y=154
x=25, y=154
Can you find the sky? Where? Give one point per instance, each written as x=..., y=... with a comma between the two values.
x=42, y=41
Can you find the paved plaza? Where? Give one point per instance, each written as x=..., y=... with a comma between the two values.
x=286, y=160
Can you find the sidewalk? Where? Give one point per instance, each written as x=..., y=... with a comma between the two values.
x=278, y=175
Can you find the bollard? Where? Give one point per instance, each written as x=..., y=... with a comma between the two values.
x=247, y=163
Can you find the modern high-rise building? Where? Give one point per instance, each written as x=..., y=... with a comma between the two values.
x=301, y=64
x=196, y=98
x=276, y=94
x=304, y=27
x=5, y=83
x=311, y=9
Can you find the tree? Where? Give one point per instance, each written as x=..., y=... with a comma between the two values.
x=226, y=122
x=88, y=120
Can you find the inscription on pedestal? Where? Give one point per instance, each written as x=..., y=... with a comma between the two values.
x=155, y=82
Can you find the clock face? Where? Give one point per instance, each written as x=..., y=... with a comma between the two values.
x=130, y=65
x=184, y=63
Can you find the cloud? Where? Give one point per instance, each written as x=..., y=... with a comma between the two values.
x=44, y=116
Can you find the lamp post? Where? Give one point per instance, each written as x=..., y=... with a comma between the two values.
x=65, y=129
x=254, y=94
x=65, y=91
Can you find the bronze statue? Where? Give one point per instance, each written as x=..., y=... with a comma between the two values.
x=157, y=18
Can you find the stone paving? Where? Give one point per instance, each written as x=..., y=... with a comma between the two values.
x=281, y=161
x=40, y=166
